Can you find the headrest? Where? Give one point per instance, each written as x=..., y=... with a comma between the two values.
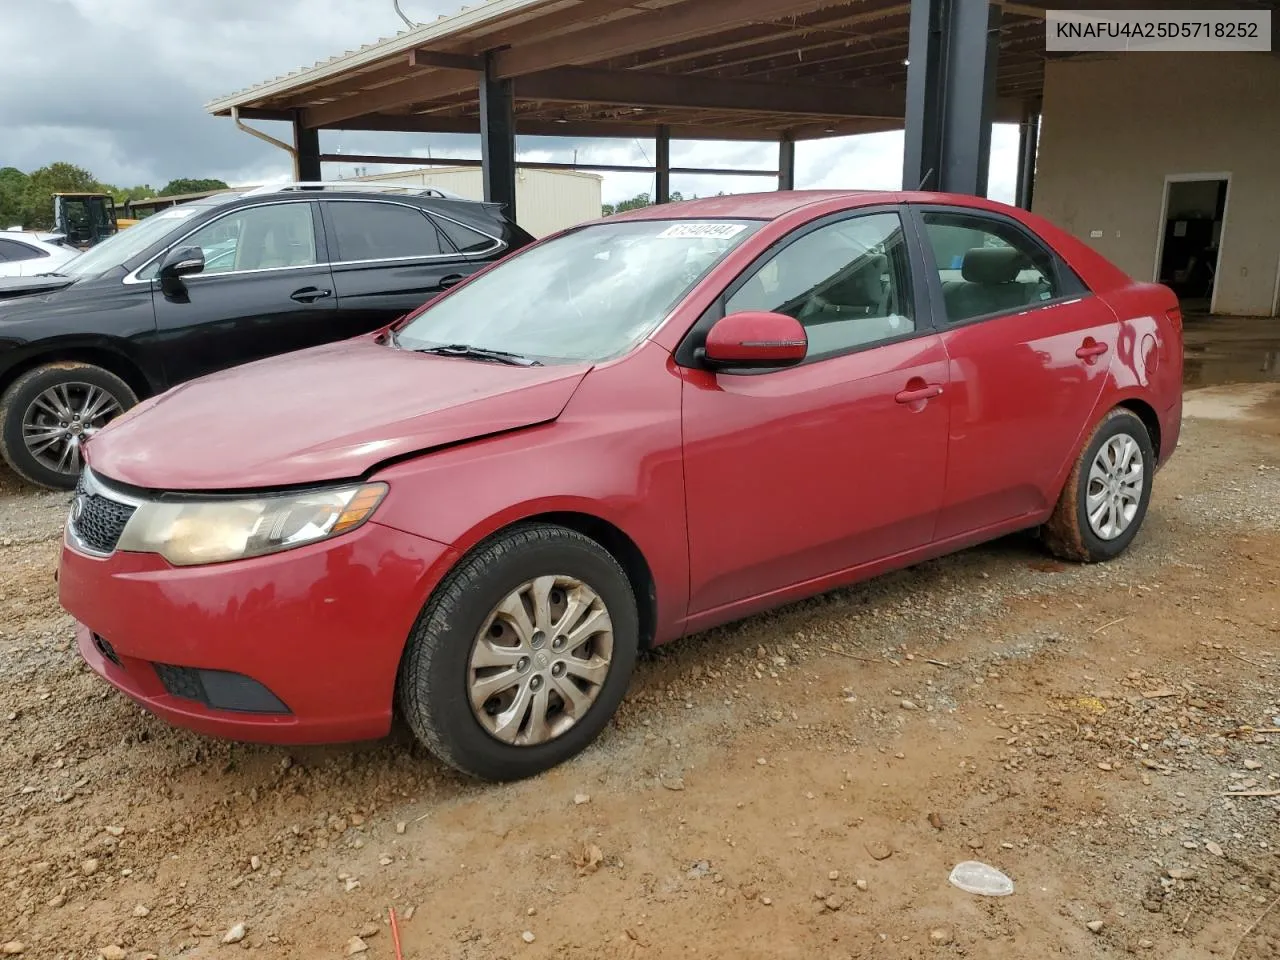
x=992, y=264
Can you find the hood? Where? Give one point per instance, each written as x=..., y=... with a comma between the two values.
x=27, y=286
x=327, y=413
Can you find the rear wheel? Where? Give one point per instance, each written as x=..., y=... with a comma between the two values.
x=1105, y=499
x=48, y=412
x=522, y=655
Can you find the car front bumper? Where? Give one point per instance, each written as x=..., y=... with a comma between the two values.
x=296, y=647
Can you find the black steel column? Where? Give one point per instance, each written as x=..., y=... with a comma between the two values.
x=786, y=163
x=1028, y=138
x=498, y=139
x=662, y=166
x=306, y=144
x=951, y=82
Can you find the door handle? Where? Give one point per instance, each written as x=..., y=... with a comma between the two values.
x=1090, y=350
x=452, y=280
x=310, y=294
x=916, y=394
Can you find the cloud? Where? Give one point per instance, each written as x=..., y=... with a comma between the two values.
x=125, y=94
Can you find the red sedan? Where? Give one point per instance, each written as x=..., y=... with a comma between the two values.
x=634, y=430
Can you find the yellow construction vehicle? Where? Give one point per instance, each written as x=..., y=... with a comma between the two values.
x=84, y=218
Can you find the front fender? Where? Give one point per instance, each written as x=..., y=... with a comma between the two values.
x=614, y=455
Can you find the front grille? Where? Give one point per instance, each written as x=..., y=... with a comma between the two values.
x=98, y=521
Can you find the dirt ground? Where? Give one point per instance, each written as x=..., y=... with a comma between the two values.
x=798, y=785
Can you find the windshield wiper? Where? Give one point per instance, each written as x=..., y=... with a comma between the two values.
x=479, y=353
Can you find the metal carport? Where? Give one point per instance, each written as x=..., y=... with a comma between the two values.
x=766, y=70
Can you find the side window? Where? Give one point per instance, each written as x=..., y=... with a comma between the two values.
x=11, y=250
x=848, y=283
x=381, y=231
x=987, y=266
x=257, y=238
x=463, y=238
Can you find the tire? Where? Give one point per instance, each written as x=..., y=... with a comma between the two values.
x=434, y=687
x=1070, y=534
x=80, y=381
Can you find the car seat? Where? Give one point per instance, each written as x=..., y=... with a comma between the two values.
x=989, y=283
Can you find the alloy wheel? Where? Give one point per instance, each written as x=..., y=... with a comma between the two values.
x=61, y=418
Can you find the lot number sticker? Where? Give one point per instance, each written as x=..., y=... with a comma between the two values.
x=702, y=231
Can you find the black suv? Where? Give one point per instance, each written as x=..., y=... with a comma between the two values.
x=214, y=283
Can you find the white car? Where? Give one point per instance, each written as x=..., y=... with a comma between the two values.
x=25, y=254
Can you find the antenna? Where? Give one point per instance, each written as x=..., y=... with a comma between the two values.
x=925, y=179
x=400, y=13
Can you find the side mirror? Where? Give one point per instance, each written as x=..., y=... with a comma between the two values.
x=181, y=262
x=757, y=340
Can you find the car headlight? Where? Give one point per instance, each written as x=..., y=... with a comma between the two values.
x=213, y=531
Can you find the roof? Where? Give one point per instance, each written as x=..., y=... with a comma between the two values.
x=462, y=25
x=746, y=206
x=591, y=68
x=775, y=204
x=808, y=68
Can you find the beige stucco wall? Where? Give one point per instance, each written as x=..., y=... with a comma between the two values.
x=1114, y=128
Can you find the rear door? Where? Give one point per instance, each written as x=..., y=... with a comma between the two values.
x=265, y=289
x=1029, y=348
x=388, y=258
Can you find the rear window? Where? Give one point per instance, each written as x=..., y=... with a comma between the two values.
x=464, y=238
x=13, y=250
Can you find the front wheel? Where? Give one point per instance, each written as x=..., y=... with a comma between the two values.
x=1106, y=496
x=522, y=654
x=48, y=412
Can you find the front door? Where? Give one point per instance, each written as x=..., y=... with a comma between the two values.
x=800, y=473
x=265, y=289
x=1029, y=348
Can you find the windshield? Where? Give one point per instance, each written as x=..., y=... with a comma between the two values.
x=128, y=243
x=587, y=295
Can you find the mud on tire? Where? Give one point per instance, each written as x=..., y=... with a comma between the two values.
x=1070, y=534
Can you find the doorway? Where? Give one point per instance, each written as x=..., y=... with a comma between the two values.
x=1192, y=220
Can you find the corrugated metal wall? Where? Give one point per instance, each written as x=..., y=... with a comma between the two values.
x=546, y=200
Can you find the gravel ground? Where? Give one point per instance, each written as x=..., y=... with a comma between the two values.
x=797, y=785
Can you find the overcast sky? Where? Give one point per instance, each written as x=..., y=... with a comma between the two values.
x=119, y=87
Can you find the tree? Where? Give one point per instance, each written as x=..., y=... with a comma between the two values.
x=143, y=191
x=42, y=184
x=636, y=203
x=13, y=182
x=191, y=186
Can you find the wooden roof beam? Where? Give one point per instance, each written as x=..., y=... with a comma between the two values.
x=685, y=21
x=448, y=61
x=536, y=26
x=583, y=128
x=645, y=89
x=788, y=41
x=436, y=85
